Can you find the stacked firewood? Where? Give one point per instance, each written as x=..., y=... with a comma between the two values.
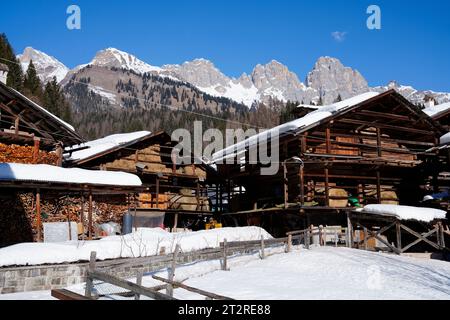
x=24, y=154
x=53, y=209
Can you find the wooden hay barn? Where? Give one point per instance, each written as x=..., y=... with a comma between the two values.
x=180, y=192
x=365, y=150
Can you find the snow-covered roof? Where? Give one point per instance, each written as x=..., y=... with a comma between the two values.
x=95, y=147
x=445, y=139
x=435, y=110
x=302, y=123
x=69, y=126
x=53, y=174
x=405, y=212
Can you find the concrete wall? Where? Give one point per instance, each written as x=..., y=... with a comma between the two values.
x=35, y=278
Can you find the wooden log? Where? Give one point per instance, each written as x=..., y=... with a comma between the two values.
x=176, y=284
x=36, y=144
x=129, y=286
x=90, y=280
x=285, y=186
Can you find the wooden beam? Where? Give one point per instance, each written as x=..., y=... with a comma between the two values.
x=90, y=227
x=129, y=286
x=66, y=295
x=379, y=145
x=328, y=140
x=421, y=237
x=386, y=126
x=327, y=187
x=38, y=215
x=176, y=284
x=36, y=144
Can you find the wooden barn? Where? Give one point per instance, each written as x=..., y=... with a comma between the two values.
x=179, y=192
x=34, y=189
x=26, y=124
x=370, y=149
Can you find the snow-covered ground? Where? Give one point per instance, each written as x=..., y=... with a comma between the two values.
x=319, y=273
x=144, y=242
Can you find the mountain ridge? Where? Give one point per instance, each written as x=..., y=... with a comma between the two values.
x=328, y=79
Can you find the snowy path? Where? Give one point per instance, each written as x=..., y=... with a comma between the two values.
x=320, y=273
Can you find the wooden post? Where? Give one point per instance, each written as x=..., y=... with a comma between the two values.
x=263, y=254
x=307, y=238
x=289, y=243
x=197, y=195
x=442, y=235
x=365, y=238
x=16, y=126
x=361, y=193
x=38, y=215
x=139, y=276
x=285, y=185
x=90, y=228
x=169, y=290
x=82, y=217
x=349, y=232
x=328, y=140
x=398, y=230
x=302, y=185
x=157, y=192
x=335, y=238
x=327, y=188
x=225, y=256
x=89, y=280
x=379, y=152
x=379, y=186
x=320, y=235
x=59, y=153
x=37, y=142
x=175, y=222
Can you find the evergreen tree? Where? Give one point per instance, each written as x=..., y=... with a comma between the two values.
x=32, y=84
x=15, y=74
x=55, y=102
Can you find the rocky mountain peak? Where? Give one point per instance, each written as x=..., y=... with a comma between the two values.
x=112, y=57
x=46, y=66
x=200, y=72
x=331, y=78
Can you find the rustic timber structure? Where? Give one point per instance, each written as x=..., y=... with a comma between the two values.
x=23, y=122
x=368, y=149
x=179, y=191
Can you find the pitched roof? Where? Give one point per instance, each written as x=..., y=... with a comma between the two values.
x=438, y=110
x=315, y=118
x=97, y=148
x=35, y=118
x=41, y=173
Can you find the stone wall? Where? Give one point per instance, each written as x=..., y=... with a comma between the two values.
x=36, y=278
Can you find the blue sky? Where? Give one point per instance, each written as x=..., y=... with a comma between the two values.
x=413, y=46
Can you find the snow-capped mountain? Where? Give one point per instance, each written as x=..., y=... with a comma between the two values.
x=328, y=79
x=413, y=95
x=46, y=66
x=114, y=58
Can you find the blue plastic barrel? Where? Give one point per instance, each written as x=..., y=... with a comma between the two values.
x=127, y=226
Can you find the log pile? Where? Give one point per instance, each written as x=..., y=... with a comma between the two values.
x=18, y=213
x=24, y=154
